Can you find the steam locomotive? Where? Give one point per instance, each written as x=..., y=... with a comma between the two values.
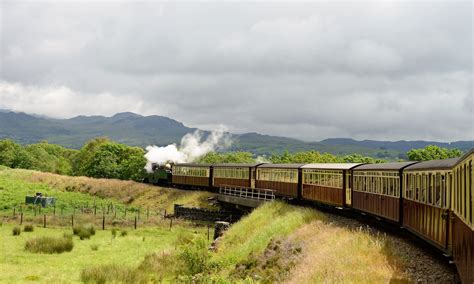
x=432, y=199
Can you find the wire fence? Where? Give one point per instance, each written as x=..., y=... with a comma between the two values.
x=101, y=216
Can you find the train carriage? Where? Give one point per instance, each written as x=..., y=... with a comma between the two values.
x=462, y=200
x=377, y=189
x=328, y=183
x=194, y=175
x=427, y=195
x=283, y=178
x=234, y=174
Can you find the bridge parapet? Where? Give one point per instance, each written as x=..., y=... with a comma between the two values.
x=245, y=196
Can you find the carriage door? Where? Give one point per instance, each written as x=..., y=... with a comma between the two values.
x=252, y=177
x=348, y=188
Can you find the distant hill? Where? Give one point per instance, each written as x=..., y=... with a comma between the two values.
x=137, y=130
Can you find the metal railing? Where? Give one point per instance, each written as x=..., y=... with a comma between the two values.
x=247, y=192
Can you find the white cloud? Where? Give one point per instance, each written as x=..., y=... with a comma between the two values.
x=62, y=102
x=381, y=70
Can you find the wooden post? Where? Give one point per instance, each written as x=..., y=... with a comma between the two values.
x=54, y=210
x=44, y=221
x=74, y=210
x=208, y=232
x=171, y=223
x=72, y=221
x=103, y=222
x=21, y=218
x=135, y=222
x=164, y=215
x=95, y=209
x=147, y=212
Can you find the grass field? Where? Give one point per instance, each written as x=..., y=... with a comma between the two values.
x=15, y=184
x=18, y=265
x=277, y=242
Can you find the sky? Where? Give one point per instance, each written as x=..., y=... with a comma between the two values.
x=385, y=70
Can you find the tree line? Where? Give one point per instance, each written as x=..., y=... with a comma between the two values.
x=99, y=158
x=104, y=158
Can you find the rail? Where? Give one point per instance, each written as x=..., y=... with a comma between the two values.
x=247, y=192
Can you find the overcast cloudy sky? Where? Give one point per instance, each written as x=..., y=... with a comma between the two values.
x=364, y=70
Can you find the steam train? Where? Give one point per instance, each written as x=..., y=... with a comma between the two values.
x=432, y=199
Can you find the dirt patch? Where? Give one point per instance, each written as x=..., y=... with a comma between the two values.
x=273, y=265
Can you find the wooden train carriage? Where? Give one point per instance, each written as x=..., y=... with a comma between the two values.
x=234, y=174
x=426, y=200
x=462, y=200
x=376, y=189
x=328, y=183
x=283, y=178
x=197, y=175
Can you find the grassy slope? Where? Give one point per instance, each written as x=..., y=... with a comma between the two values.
x=18, y=265
x=330, y=250
x=327, y=250
x=16, y=183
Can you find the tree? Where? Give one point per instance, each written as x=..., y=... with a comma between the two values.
x=108, y=159
x=13, y=155
x=358, y=158
x=231, y=157
x=83, y=159
x=432, y=152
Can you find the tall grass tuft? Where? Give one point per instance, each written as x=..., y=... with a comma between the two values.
x=84, y=232
x=28, y=228
x=112, y=273
x=49, y=245
x=16, y=231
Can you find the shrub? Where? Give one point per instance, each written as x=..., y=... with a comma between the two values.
x=49, y=245
x=196, y=257
x=95, y=247
x=114, y=233
x=84, y=232
x=16, y=231
x=28, y=228
x=112, y=273
x=123, y=233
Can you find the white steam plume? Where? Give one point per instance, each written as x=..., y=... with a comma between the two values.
x=190, y=149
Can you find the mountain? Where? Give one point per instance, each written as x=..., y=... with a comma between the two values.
x=137, y=130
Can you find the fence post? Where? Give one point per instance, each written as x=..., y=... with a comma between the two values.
x=135, y=226
x=207, y=232
x=95, y=209
x=171, y=223
x=103, y=222
x=72, y=221
x=44, y=221
x=54, y=209
x=21, y=218
x=164, y=216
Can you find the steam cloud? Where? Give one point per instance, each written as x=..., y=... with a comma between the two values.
x=191, y=148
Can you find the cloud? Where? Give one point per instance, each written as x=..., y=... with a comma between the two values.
x=62, y=102
x=367, y=70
